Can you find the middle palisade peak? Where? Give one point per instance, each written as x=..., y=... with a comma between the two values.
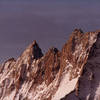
x=56, y=74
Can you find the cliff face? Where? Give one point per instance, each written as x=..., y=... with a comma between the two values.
x=57, y=75
x=89, y=82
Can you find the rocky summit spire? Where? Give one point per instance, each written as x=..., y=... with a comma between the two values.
x=23, y=67
x=33, y=50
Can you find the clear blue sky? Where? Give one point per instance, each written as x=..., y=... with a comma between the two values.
x=50, y=22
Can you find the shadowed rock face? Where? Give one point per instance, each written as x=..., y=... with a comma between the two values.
x=72, y=73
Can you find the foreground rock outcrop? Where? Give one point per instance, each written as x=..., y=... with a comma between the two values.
x=70, y=74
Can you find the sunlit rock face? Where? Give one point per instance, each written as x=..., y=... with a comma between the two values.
x=70, y=74
x=88, y=87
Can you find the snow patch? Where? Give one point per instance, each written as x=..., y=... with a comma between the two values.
x=66, y=86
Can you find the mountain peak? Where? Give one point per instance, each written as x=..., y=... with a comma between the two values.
x=58, y=75
x=33, y=50
x=77, y=31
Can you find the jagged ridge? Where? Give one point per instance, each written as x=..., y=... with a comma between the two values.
x=52, y=76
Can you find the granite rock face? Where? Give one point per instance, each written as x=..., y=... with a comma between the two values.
x=89, y=82
x=70, y=74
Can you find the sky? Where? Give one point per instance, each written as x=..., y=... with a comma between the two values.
x=49, y=22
